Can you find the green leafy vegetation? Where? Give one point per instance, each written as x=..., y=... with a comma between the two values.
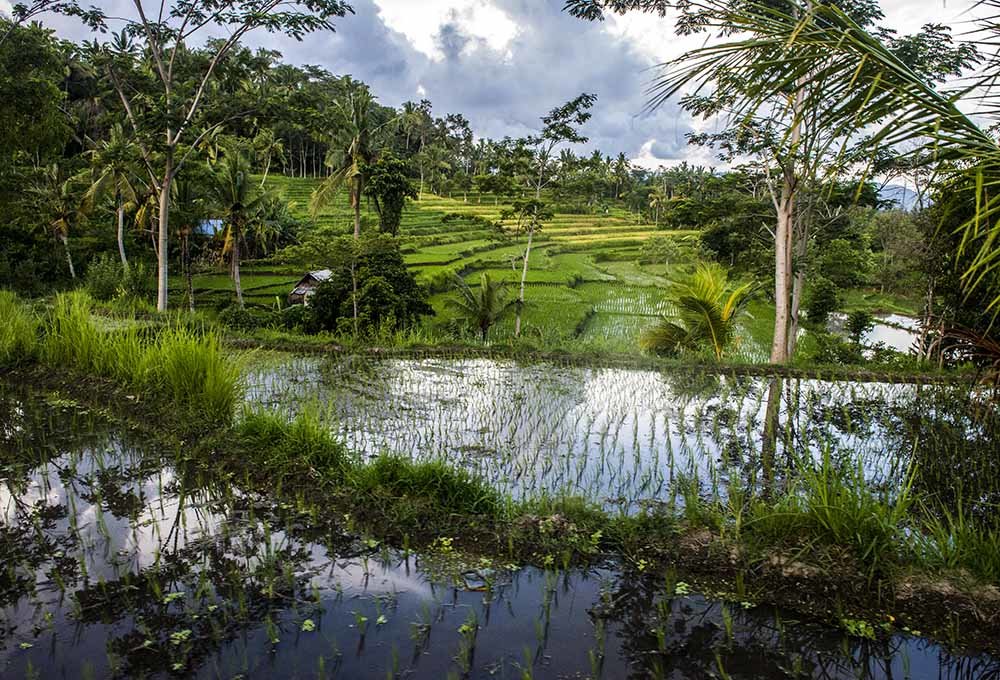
x=186, y=366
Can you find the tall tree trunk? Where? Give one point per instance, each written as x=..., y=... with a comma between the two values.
x=267, y=168
x=786, y=309
x=798, y=284
x=356, y=204
x=188, y=278
x=782, y=273
x=69, y=256
x=121, y=234
x=236, y=268
x=524, y=279
x=420, y=193
x=162, y=253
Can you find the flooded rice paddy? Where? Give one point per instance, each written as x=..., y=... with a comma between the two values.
x=629, y=438
x=121, y=560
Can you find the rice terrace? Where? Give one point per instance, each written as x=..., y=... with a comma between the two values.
x=489, y=339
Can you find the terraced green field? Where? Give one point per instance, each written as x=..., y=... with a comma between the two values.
x=584, y=281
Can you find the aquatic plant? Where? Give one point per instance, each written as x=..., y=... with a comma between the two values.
x=836, y=507
x=303, y=440
x=954, y=540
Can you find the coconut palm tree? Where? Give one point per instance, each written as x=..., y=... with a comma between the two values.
x=187, y=210
x=58, y=199
x=481, y=307
x=657, y=200
x=350, y=159
x=239, y=198
x=113, y=174
x=708, y=310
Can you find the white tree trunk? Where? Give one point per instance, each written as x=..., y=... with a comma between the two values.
x=782, y=274
x=524, y=279
x=801, y=246
x=121, y=235
x=69, y=256
x=162, y=252
x=236, y=270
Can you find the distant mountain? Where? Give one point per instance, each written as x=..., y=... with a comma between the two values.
x=900, y=197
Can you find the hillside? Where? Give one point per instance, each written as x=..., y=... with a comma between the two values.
x=585, y=281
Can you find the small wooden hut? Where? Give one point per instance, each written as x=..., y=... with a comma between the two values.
x=306, y=286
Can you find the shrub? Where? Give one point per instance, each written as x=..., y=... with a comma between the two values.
x=296, y=318
x=824, y=300
x=104, y=277
x=858, y=325
x=830, y=348
x=238, y=319
x=18, y=331
x=107, y=279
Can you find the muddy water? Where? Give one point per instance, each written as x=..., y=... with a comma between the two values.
x=120, y=560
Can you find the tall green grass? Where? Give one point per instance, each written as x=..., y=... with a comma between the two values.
x=954, y=540
x=451, y=489
x=281, y=445
x=184, y=365
x=18, y=330
x=286, y=448
x=837, y=507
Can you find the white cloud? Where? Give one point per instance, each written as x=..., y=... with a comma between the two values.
x=420, y=22
x=693, y=155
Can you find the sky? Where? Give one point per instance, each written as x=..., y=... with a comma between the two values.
x=505, y=63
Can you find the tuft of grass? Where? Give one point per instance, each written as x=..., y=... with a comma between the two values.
x=953, y=540
x=452, y=490
x=18, y=332
x=72, y=338
x=283, y=444
x=196, y=371
x=836, y=507
x=187, y=366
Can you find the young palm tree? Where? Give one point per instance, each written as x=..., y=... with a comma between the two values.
x=113, y=174
x=480, y=308
x=708, y=309
x=350, y=160
x=239, y=199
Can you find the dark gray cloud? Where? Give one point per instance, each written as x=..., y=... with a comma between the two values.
x=552, y=59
